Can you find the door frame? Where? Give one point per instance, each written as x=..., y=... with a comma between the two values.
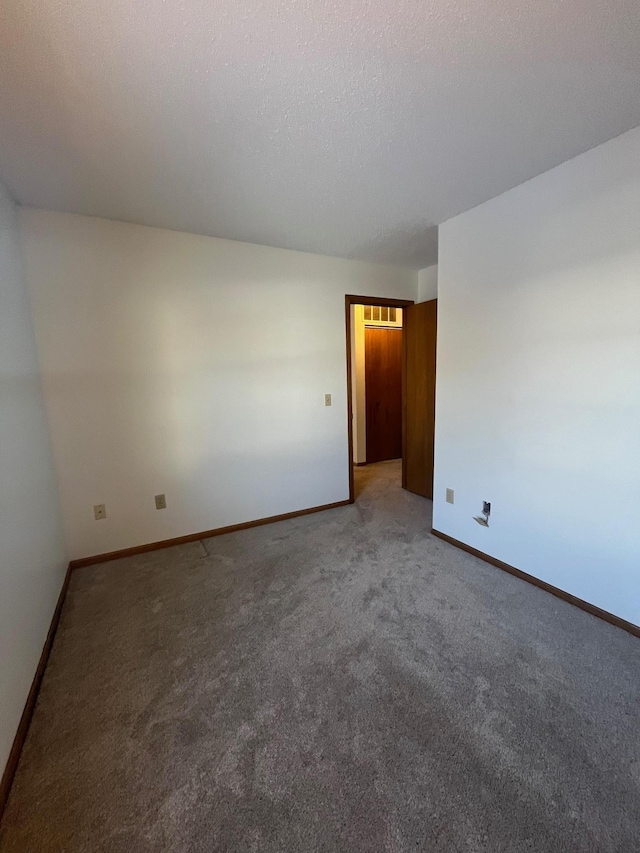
x=350, y=300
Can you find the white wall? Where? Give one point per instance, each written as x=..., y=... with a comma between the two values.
x=32, y=558
x=428, y=283
x=538, y=387
x=191, y=366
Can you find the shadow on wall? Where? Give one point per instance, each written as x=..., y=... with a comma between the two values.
x=192, y=393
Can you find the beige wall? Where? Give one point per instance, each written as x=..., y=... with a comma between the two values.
x=358, y=385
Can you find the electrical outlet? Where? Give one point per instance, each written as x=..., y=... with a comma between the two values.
x=486, y=512
x=161, y=502
x=99, y=511
x=449, y=496
x=327, y=399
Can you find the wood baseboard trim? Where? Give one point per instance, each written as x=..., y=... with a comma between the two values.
x=547, y=587
x=27, y=714
x=194, y=537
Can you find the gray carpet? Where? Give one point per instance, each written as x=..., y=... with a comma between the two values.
x=337, y=682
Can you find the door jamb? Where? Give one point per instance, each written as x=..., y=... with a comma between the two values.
x=350, y=300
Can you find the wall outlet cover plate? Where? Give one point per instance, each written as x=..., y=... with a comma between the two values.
x=99, y=512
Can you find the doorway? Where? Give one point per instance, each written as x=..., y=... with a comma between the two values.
x=376, y=353
x=391, y=400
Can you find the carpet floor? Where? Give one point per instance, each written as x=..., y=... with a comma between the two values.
x=338, y=682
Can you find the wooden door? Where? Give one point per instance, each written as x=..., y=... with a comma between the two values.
x=419, y=392
x=383, y=393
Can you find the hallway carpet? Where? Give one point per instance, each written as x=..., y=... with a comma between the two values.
x=338, y=682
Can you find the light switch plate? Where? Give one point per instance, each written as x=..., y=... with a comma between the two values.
x=161, y=501
x=99, y=511
x=327, y=399
x=449, y=496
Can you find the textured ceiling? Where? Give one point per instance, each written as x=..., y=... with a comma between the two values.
x=345, y=127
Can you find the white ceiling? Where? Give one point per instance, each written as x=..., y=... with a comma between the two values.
x=345, y=127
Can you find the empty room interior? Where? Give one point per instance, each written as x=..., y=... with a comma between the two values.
x=320, y=426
